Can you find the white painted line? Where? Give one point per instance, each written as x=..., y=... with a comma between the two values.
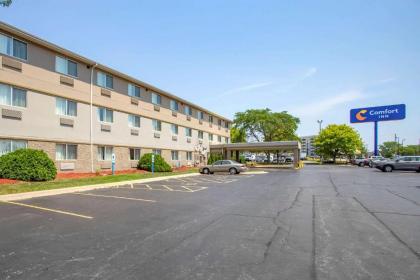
x=119, y=197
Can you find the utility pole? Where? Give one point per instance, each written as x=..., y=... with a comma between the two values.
x=320, y=125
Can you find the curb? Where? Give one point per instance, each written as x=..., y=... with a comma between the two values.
x=28, y=195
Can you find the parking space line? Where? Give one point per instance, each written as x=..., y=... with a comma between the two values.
x=113, y=196
x=168, y=188
x=48, y=209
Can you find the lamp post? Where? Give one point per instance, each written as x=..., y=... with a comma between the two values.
x=320, y=125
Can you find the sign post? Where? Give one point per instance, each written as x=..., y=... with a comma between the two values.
x=113, y=164
x=377, y=114
x=153, y=163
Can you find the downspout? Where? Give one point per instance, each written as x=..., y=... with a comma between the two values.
x=91, y=117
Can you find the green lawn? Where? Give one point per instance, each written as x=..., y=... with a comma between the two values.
x=66, y=183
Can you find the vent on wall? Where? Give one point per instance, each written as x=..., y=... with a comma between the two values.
x=105, y=92
x=66, y=81
x=11, y=114
x=11, y=63
x=105, y=127
x=66, y=122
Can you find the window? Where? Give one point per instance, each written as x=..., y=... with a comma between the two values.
x=219, y=122
x=105, y=115
x=133, y=90
x=134, y=154
x=65, y=152
x=226, y=124
x=188, y=132
x=105, y=80
x=156, y=99
x=174, y=155
x=200, y=115
x=227, y=140
x=174, y=129
x=187, y=110
x=65, y=107
x=210, y=119
x=157, y=152
x=200, y=134
x=7, y=146
x=13, y=47
x=219, y=162
x=157, y=125
x=65, y=66
x=210, y=137
x=133, y=121
x=105, y=153
x=219, y=138
x=12, y=96
x=174, y=105
x=189, y=155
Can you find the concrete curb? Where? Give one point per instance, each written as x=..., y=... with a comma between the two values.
x=28, y=195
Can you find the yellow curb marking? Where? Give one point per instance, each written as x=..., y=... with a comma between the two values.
x=47, y=209
x=112, y=196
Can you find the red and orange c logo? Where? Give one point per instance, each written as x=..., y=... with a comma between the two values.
x=359, y=115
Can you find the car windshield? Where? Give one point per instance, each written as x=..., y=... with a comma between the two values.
x=234, y=162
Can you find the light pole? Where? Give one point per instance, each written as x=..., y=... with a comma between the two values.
x=320, y=125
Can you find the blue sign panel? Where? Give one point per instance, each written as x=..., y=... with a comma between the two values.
x=378, y=114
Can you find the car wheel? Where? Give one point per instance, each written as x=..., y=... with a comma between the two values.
x=370, y=164
x=361, y=164
x=418, y=170
x=387, y=168
x=206, y=171
x=232, y=171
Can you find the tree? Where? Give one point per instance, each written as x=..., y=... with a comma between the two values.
x=237, y=135
x=263, y=125
x=388, y=149
x=410, y=150
x=338, y=140
x=5, y=3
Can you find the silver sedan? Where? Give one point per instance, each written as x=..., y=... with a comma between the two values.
x=230, y=166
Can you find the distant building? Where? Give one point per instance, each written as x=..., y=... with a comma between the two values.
x=308, y=147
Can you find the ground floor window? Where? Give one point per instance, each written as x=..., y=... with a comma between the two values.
x=65, y=152
x=157, y=152
x=189, y=156
x=134, y=154
x=7, y=146
x=105, y=152
x=174, y=155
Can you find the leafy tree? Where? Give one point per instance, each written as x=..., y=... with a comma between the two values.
x=410, y=150
x=388, y=149
x=237, y=135
x=213, y=157
x=338, y=140
x=5, y=3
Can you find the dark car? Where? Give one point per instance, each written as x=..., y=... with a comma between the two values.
x=408, y=163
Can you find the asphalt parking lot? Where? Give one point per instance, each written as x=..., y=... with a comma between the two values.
x=321, y=222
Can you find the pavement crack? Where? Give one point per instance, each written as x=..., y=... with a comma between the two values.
x=417, y=254
x=396, y=213
x=337, y=193
x=403, y=197
x=295, y=200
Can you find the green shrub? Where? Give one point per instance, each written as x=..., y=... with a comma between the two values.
x=213, y=157
x=27, y=165
x=145, y=163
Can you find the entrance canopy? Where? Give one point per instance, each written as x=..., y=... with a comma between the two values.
x=227, y=149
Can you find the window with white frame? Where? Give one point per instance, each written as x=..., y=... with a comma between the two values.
x=65, y=107
x=210, y=137
x=174, y=155
x=105, y=80
x=226, y=140
x=157, y=151
x=13, y=47
x=157, y=125
x=12, y=96
x=134, y=121
x=105, y=153
x=105, y=115
x=187, y=110
x=134, y=154
x=200, y=115
x=174, y=105
x=226, y=124
x=133, y=90
x=7, y=145
x=65, y=66
x=174, y=129
x=219, y=139
x=188, y=132
x=200, y=134
x=65, y=152
x=189, y=155
x=210, y=119
x=156, y=99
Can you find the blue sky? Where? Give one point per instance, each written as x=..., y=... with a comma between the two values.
x=315, y=59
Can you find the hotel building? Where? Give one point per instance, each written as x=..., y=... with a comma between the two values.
x=81, y=112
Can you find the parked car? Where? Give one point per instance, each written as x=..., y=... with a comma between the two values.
x=372, y=159
x=230, y=166
x=409, y=163
x=359, y=161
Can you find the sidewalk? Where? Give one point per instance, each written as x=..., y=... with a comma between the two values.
x=28, y=195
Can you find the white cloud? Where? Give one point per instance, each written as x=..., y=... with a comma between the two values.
x=321, y=106
x=246, y=88
x=310, y=72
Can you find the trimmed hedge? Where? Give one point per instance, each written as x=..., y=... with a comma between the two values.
x=213, y=157
x=27, y=165
x=145, y=163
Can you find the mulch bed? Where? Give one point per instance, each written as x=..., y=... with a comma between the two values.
x=8, y=181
